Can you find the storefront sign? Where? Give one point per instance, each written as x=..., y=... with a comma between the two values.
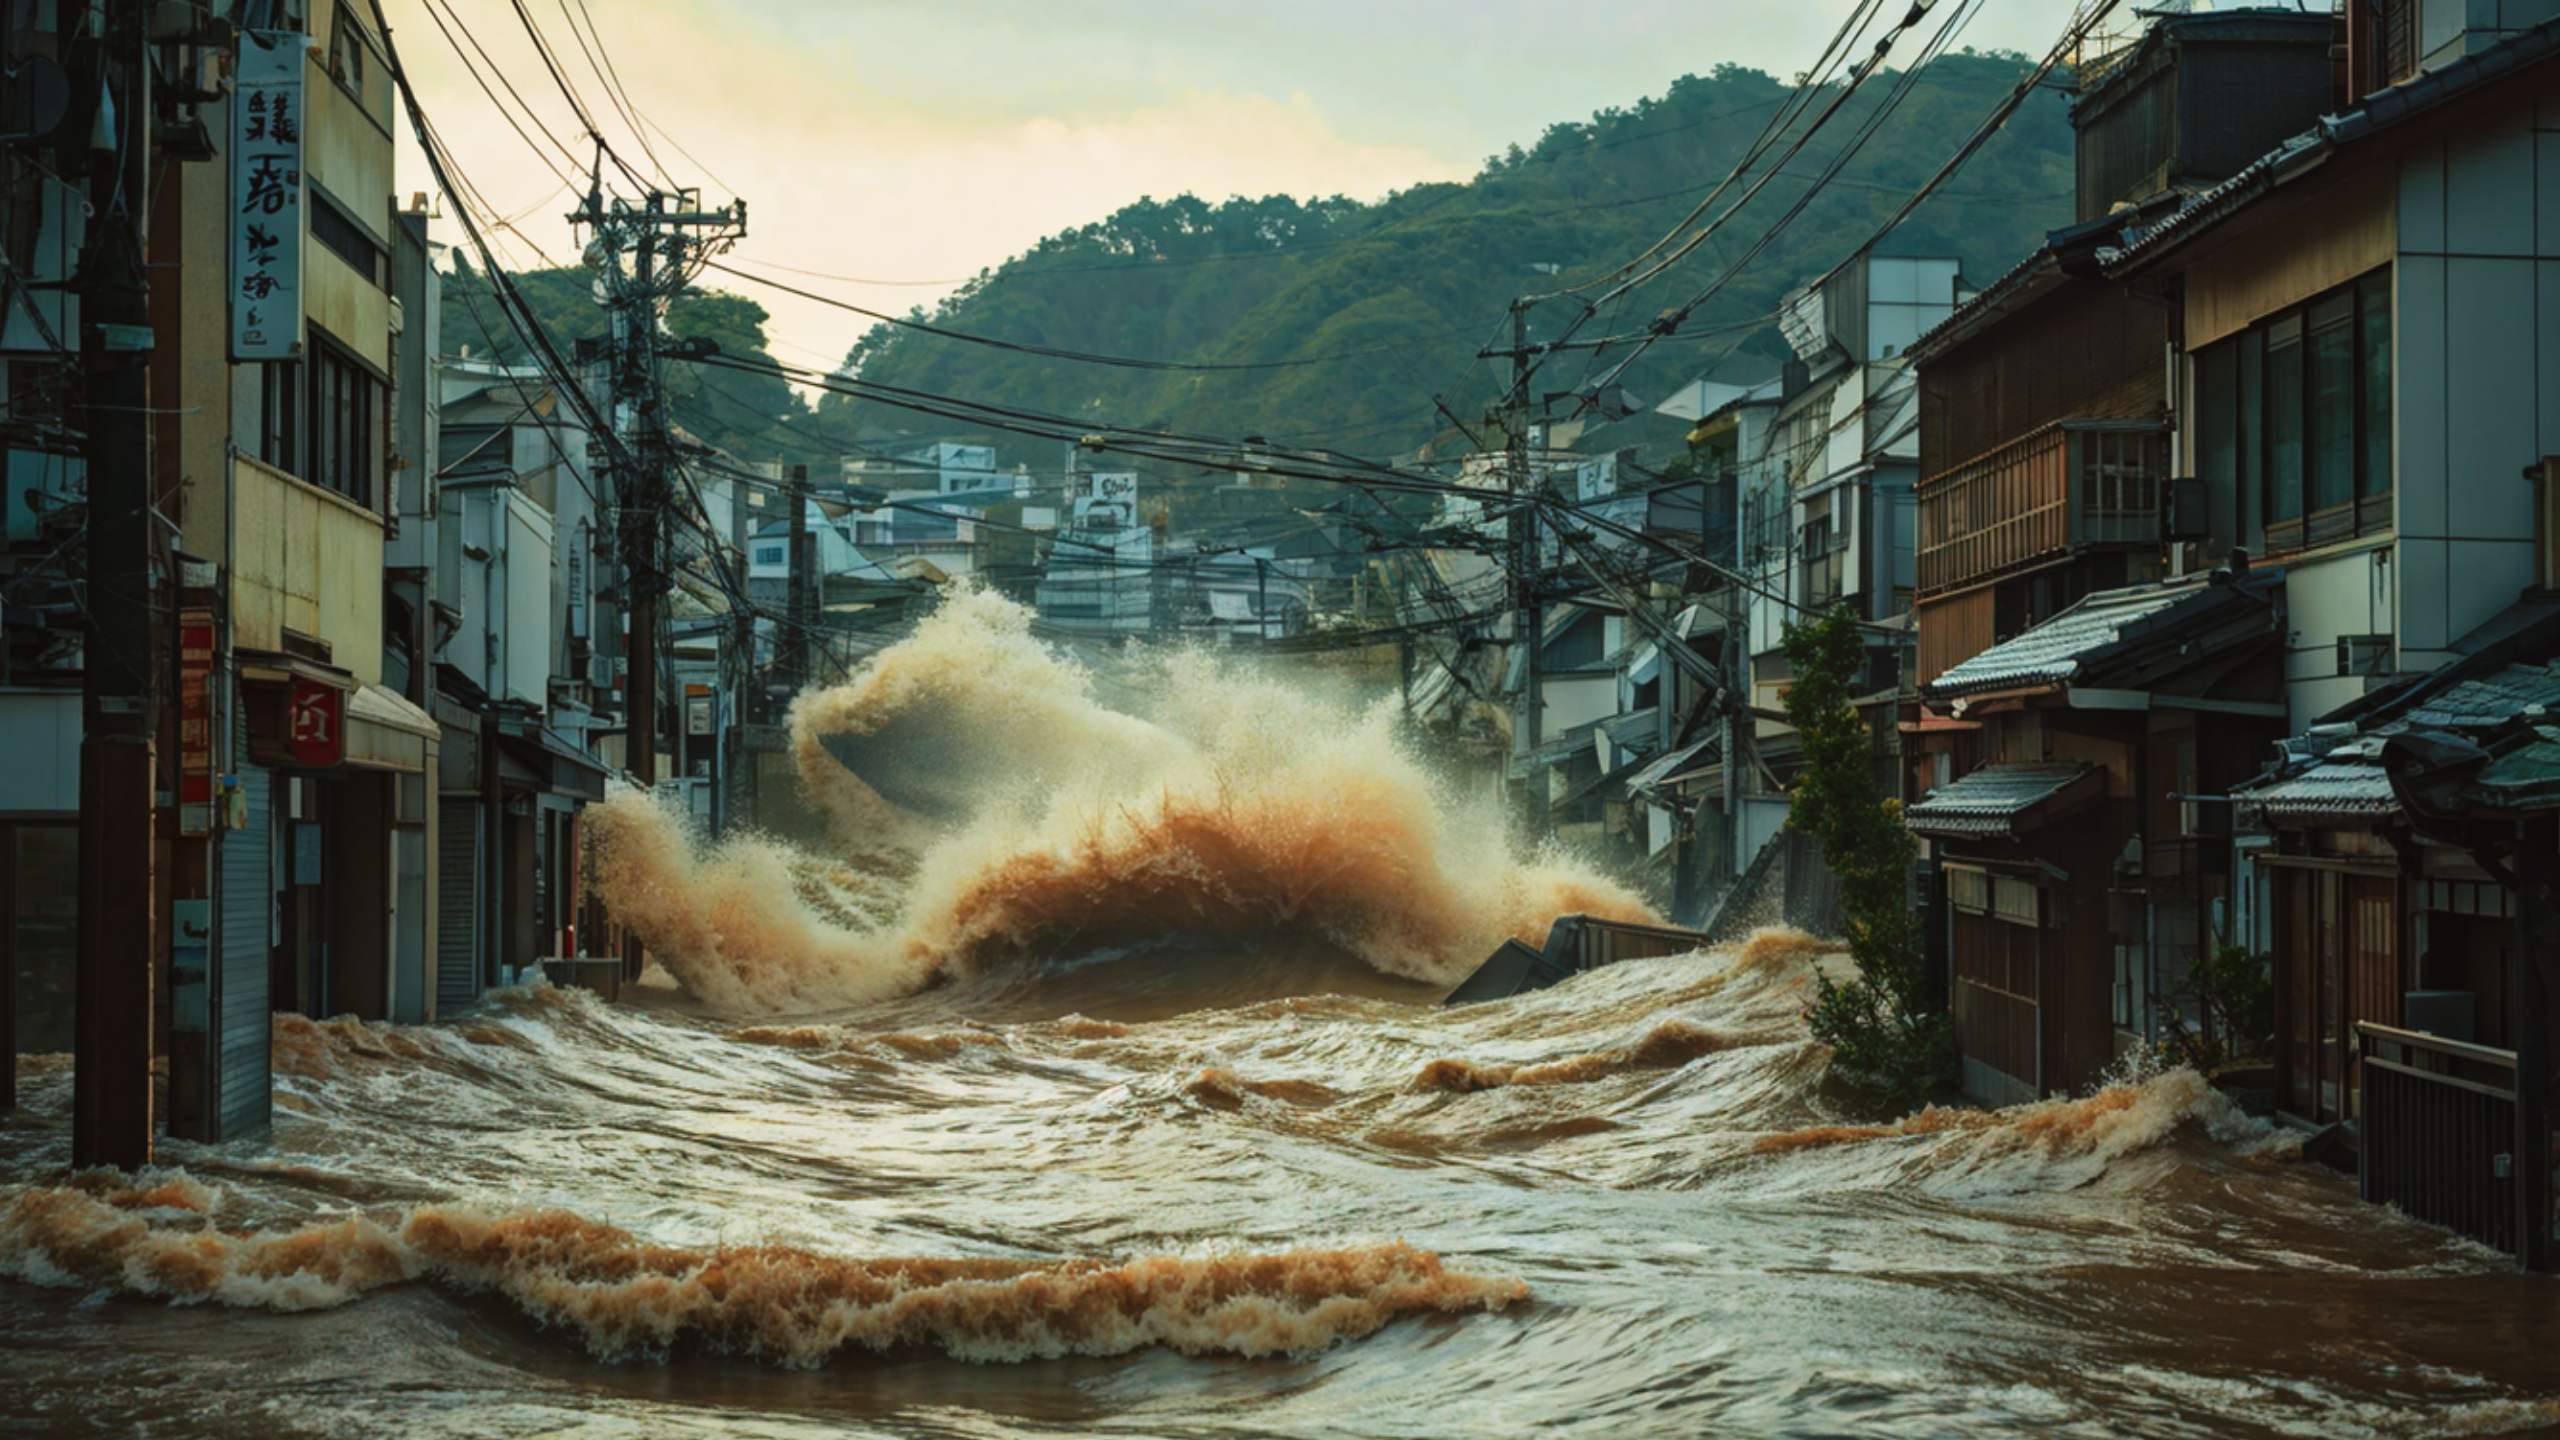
x=195, y=722
x=316, y=725
x=266, y=196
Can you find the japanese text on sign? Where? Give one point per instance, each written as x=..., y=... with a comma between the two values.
x=266, y=197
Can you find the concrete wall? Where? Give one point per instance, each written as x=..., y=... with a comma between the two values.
x=2451, y=29
x=2477, y=305
x=307, y=560
x=524, y=625
x=347, y=152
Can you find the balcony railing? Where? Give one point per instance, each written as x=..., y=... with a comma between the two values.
x=2072, y=484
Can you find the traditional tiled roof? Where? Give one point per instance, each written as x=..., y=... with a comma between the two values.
x=2325, y=791
x=2065, y=647
x=2526, y=776
x=2345, y=780
x=1992, y=800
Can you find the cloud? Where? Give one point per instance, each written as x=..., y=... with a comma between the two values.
x=842, y=179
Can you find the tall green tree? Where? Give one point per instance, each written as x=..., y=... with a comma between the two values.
x=1888, y=1040
x=752, y=417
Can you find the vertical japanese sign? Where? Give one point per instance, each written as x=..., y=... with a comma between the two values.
x=195, y=722
x=266, y=196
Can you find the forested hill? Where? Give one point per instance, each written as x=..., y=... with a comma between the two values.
x=1404, y=291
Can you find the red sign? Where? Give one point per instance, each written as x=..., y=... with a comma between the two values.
x=195, y=722
x=316, y=725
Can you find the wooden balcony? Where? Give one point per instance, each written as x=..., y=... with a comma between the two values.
x=2072, y=485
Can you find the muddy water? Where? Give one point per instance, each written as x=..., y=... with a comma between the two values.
x=1119, y=1103
x=1618, y=1207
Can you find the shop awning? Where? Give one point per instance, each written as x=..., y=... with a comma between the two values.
x=1999, y=801
x=386, y=732
x=550, y=761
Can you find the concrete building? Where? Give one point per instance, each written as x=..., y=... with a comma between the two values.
x=303, y=852
x=2368, y=330
x=528, y=661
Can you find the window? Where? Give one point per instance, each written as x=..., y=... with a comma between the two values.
x=2284, y=419
x=2293, y=421
x=280, y=415
x=321, y=420
x=478, y=450
x=344, y=237
x=769, y=554
x=2373, y=381
x=2331, y=415
x=347, y=52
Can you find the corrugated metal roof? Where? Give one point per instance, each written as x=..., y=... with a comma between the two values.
x=1663, y=766
x=1990, y=800
x=2057, y=649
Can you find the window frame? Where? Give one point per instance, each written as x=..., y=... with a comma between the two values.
x=2281, y=509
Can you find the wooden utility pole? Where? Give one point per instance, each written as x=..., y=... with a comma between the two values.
x=1528, y=625
x=799, y=608
x=658, y=242
x=118, y=944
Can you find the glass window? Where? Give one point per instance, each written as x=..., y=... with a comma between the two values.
x=2332, y=420
x=280, y=386
x=2250, y=438
x=2284, y=419
x=2217, y=430
x=2373, y=343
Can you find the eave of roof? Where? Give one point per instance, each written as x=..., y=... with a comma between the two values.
x=2070, y=646
x=1994, y=800
x=2298, y=155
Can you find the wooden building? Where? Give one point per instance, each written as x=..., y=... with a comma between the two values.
x=2411, y=844
x=2079, y=874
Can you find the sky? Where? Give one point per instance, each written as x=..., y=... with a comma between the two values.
x=904, y=145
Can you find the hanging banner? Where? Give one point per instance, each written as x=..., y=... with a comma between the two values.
x=195, y=722
x=266, y=196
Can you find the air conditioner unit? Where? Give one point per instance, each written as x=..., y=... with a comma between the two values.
x=2364, y=655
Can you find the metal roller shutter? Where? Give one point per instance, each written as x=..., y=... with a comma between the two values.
x=458, y=883
x=244, y=1105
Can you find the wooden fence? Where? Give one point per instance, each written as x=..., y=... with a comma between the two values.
x=2437, y=1135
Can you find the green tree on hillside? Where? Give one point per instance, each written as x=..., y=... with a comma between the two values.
x=1403, y=291
x=739, y=413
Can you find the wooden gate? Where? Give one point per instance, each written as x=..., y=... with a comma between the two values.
x=2438, y=1139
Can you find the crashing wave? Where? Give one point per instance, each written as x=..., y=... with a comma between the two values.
x=1247, y=810
x=624, y=1297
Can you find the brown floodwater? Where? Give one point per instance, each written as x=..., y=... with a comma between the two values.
x=1139, y=1118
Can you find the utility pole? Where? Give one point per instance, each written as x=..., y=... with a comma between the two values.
x=659, y=235
x=118, y=944
x=1527, y=623
x=800, y=617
